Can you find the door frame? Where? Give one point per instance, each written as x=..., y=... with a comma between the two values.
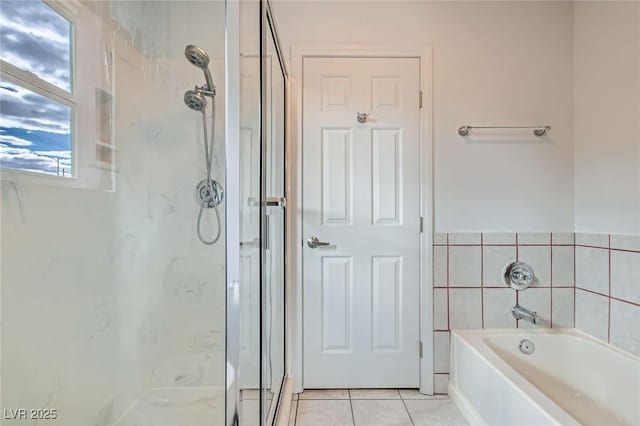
x=294, y=195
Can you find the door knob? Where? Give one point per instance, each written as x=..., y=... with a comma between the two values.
x=361, y=117
x=314, y=242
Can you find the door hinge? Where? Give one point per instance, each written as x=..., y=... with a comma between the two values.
x=420, y=99
x=420, y=348
x=421, y=225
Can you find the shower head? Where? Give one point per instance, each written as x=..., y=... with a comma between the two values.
x=197, y=56
x=195, y=100
x=200, y=59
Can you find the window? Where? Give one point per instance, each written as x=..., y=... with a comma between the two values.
x=37, y=105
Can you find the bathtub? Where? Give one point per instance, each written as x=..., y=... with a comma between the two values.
x=569, y=379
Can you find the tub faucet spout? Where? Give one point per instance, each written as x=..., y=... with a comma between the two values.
x=520, y=312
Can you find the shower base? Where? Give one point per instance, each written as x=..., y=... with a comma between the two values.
x=174, y=406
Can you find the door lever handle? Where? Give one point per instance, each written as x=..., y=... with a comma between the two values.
x=314, y=242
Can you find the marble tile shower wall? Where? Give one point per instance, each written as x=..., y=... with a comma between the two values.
x=608, y=288
x=106, y=295
x=469, y=291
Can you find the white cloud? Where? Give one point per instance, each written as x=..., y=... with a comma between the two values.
x=56, y=154
x=36, y=38
x=25, y=159
x=14, y=140
x=23, y=109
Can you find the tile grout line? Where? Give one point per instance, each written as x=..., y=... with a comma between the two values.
x=500, y=287
x=609, y=313
x=607, y=248
x=551, y=282
x=322, y=399
x=525, y=245
x=574, y=280
x=448, y=284
x=608, y=297
x=517, y=292
x=448, y=309
x=482, y=279
x=404, y=403
x=353, y=416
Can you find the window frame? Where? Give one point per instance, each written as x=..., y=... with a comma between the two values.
x=35, y=84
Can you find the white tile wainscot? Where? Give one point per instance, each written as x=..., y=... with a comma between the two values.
x=587, y=281
x=608, y=288
x=469, y=291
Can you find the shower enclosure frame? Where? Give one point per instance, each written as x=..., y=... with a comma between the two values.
x=232, y=212
x=267, y=28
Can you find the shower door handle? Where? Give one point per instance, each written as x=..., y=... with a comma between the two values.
x=275, y=202
x=268, y=202
x=255, y=243
x=314, y=242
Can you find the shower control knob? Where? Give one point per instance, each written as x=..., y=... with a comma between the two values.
x=518, y=275
x=209, y=193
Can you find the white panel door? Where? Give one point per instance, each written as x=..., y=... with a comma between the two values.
x=361, y=195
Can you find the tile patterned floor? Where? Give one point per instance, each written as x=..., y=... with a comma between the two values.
x=373, y=407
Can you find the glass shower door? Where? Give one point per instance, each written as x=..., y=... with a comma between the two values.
x=249, y=203
x=273, y=214
x=261, y=145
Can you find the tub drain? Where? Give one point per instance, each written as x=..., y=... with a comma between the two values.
x=527, y=347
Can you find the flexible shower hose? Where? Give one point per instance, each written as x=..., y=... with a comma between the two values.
x=208, y=153
x=200, y=237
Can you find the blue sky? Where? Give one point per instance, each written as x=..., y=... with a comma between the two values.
x=34, y=130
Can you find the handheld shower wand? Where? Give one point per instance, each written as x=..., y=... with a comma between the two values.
x=209, y=192
x=200, y=59
x=196, y=99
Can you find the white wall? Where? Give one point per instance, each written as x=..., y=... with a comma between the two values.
x=495, y=63
x=607, y=117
